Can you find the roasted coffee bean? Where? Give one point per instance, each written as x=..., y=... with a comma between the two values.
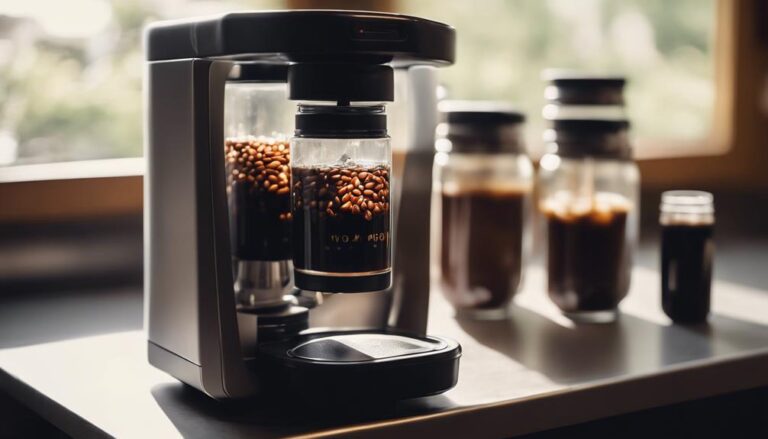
x=346, y=188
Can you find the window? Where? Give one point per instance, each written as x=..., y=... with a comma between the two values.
x=70, y=71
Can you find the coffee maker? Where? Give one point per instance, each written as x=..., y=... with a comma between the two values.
x=220, y=200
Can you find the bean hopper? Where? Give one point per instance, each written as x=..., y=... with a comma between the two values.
x=269, y=200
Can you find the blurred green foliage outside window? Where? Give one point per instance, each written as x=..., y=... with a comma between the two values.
x=70, y=71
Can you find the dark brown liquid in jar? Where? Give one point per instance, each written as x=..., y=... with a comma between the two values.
x=482, y=246
x=588, y=260
x=258, y=173
x=686, y=270
x=341, y=219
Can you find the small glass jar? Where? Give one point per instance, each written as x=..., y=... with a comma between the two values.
x=257, y=120
x=482, y=185
x=342, y=162
x=588, y=189
x=687, y=248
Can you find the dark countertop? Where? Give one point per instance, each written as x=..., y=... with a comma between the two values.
x=63, y=351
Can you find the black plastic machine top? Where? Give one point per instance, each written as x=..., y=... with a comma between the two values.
x=355, y=49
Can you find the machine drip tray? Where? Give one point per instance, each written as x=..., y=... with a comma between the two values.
x=363, y=347
x=353, y=365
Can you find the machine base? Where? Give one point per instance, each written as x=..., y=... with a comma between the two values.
x=359, y=365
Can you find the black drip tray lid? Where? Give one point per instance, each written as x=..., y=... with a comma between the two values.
x=360, y=365
x=365, y=347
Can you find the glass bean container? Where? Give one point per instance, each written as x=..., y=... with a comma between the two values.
x=257, y=121
x=341, y=207
x=588, y=198
x=482, y=184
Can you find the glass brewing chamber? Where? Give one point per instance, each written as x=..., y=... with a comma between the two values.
x=258, y=119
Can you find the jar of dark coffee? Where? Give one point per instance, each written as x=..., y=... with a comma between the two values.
x=588, y=189
x=482, y=185
x=258, y=118
x=687, y=221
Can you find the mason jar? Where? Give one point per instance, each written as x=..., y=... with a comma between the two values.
x=341, y=207
x=482, y=187
x=588, y=199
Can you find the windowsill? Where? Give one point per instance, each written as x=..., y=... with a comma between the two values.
x=71, y=190
x=106, y=168
x=661, y=149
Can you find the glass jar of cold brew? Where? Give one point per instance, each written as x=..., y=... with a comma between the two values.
x=482, y=185
x=588, y=198
x=258, y=118
x=341, y=168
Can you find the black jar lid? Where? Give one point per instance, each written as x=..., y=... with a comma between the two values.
x=259, y=72
x=480, y=113
x=341, y=121
x=590, y=126
x=599, y=138
x=481, y=126
x=571, y=88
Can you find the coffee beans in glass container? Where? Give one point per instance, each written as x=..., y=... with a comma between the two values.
x=341, y=219
x=258, y=172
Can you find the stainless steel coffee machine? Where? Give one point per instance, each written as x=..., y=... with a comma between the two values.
x=243, y=200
